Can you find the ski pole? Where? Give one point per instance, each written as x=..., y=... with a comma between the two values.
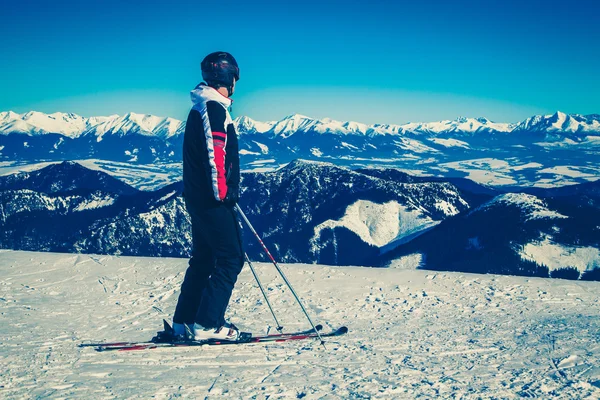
x=279, y=327
x=239, y=210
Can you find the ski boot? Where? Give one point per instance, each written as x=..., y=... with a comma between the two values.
x=168, y=335
x=228, y=332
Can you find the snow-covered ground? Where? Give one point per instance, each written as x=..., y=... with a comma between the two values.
x=413, y=333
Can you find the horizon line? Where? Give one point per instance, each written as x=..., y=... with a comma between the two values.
x=289, y=116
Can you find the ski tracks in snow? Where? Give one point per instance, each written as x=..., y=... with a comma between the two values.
x=412, y=333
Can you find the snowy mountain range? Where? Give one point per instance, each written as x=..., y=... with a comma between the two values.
x=72, y=125
x=544, y=150
x=67, y=207
x=316, y=212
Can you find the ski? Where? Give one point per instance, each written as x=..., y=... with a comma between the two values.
x=257, y=339
x=169, y=329
x=123, y=344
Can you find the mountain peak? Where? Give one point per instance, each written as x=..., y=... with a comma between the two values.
x=561, y=123
x=248, y=125
x=9, y=114
x=296, y=117
x=65, y=116
x=244, y=118
x=532, y=206
x=559, y=117
x=70, y=164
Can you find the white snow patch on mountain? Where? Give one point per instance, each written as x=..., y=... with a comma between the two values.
x=493, y=178
x=565, y=142
x=568, y=170
x=447, y=208
x=316, y=152
x=60, y=141
x=488, y=171
x=527, y=166
x=264, y=149
x=261, y=162
x=244, y=152
x=260, y=169
x=414, y=145
x=492, y=171
x=165, y=197
x=266, y=165
x=349, y=146
x=535, y=207
x=450, y=142
x=487, y=163
x=96, y=202
x=153, y=219
x=414, y=172
x=555, y=256
x=595, y=140
x=376, y=224
x=409, y=262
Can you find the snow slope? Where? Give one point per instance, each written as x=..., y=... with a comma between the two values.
x=534, y=207
x=555, y=256
x=413, y=333
x=378, y=224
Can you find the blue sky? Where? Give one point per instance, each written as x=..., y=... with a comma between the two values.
x=369, y=61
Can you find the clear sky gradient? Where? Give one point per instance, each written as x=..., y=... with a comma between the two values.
x=368, y=61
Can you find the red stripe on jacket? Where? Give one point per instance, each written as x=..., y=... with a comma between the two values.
x=219, y=148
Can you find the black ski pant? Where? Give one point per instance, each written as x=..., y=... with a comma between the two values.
x=217, y=259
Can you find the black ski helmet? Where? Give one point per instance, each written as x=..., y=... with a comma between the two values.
x=220, y=69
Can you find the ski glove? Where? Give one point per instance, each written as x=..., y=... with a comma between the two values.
x=233, y=196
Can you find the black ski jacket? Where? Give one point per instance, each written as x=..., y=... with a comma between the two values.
x=211, y=161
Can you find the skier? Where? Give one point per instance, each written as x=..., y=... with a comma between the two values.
x=211, y=176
